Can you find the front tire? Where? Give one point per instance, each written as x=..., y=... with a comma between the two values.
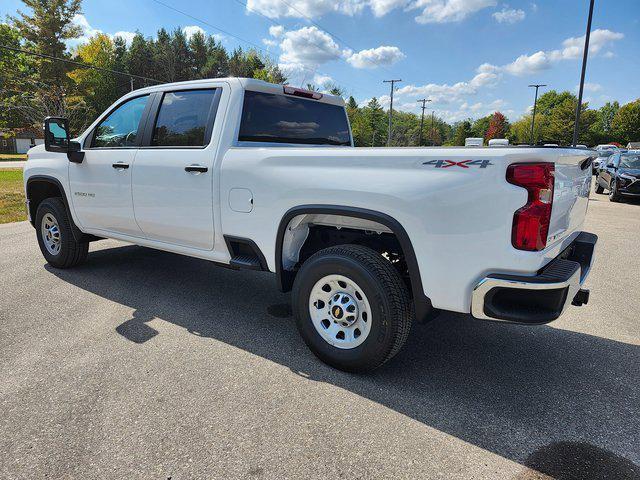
x=599, y=189
x=55, y=237
x=352, y=308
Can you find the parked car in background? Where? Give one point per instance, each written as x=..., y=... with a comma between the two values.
x=607, y=146
x=473, y=142
x=601, y=161
x=633, y=145
x=621, y=176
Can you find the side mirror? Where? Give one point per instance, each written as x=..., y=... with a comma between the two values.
x=56, y=139
x=56, y=134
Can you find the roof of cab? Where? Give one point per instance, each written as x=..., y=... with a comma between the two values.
x=246, y=83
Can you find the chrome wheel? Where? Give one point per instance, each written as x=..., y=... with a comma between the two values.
x=50, y=231
x=340, y=311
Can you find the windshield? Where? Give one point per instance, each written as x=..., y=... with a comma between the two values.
x=630, y=161
x=606, y=153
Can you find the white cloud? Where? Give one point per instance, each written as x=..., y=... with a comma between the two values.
x=534, y=7
x=443, y=11
x=191, y=30
x=321, y=80
x=270, y=42
x=572, y=49
x=509, y=15
x=589, y=87
x=87, y=31
x=305, y=49
x=304, y=8
x=276, y=31
x=381, y=7
x=126, y=36
x=433, y=11
x=375, y=57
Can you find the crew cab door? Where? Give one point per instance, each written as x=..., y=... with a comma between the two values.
x=173, y=172
x=101, y=185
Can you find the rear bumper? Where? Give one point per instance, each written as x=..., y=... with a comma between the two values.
x=541, y=298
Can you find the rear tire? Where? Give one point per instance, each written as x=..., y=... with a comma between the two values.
x=55, y=236
x=367, y=286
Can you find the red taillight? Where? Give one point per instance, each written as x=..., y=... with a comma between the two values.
x=531, y=222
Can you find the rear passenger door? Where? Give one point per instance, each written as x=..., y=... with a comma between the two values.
x=172, y=177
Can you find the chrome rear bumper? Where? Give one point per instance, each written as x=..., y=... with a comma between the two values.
x=541, y=298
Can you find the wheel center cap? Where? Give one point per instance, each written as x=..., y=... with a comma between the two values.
x=343, y=309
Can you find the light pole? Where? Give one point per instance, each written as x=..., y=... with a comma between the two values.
x=424, y=101
x=535, y=102
x=576, y=127
x=392, y=82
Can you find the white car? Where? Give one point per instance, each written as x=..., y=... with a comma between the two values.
x=259, y=176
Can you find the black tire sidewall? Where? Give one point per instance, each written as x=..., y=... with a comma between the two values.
x=56, y=208
x=378, y=343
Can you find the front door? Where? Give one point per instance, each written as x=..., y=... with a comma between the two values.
x=173, y=175
x=101, y=184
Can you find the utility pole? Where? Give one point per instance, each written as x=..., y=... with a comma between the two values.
x=424, y=101
x=392, y=82
x=535, y=102
x=431, y=132
x=576, y=127
x=131, y=82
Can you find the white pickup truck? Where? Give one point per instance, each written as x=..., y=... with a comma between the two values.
x=252, y=175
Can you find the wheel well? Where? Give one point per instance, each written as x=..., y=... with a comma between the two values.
x=307, y=229
x=384, y=243
x=39, y=190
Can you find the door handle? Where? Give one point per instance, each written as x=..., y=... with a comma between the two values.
x=120, y=166
x=196, y=168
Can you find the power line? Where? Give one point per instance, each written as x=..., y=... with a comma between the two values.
x=204, y=22
x=79, y=64
x=210, y=25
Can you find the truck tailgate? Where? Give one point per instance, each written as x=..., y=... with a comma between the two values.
x=570, y=195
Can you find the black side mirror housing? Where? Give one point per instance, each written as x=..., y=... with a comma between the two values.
x=56, y=139
x=75, y=153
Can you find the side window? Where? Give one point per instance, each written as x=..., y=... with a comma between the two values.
x=120, y=128
x=183, y=119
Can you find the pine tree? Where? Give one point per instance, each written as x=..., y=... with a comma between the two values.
x=48, y=26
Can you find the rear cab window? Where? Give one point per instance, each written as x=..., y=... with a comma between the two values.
x=274, y=118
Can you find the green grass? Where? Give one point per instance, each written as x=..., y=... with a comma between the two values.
x=12, y=157
x=11, y=196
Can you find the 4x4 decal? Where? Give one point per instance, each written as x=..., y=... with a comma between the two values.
x=462, y=164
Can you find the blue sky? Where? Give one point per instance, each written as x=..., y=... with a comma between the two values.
x=470, y=57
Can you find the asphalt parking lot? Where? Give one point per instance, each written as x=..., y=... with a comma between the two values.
x=144, y=364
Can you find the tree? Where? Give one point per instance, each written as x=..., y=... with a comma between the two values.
x=140, y=59
x=498, y=127
x=17, y=72
x=626, y=122
x=462, y=131
x=47, y=28
x=199, y=54
x=480, y=126
x=99, y=88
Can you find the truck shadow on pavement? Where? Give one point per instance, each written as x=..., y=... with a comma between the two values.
x=515, y=391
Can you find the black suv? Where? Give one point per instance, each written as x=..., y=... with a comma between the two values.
x=621, y=176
